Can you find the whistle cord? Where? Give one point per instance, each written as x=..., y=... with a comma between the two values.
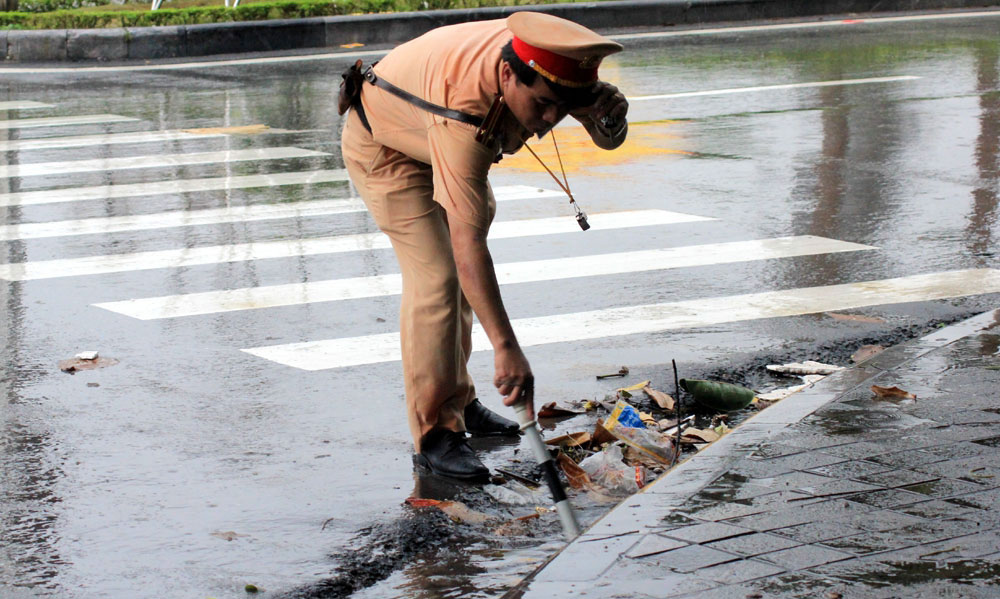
x=564, y=187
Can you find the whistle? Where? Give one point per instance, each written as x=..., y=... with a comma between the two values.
x=581, y=219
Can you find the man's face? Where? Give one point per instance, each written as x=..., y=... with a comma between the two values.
x=536, y=107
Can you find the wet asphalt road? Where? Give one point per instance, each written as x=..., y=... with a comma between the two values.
x=191, y=468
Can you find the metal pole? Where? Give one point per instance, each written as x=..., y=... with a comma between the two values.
x=571, y=528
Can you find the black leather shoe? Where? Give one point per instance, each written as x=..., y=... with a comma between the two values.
x=447, y=453
x=480, y=421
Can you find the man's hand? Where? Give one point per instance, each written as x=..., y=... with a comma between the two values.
x=605, y=119
x=513, y=378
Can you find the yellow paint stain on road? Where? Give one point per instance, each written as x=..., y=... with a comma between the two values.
x=579, y=154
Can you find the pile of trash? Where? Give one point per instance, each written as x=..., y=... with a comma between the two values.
x=629, y=447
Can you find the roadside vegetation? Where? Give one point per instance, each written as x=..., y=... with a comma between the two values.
x=93, y=14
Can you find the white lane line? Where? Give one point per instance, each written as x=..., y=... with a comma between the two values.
x=760, y=88
x=179, y=186
x=92, y=265
x=23, y=105
x=209, y=64
x=61, y=121
x=212, y=302
x=843, y=22
x=631, y=320
x=105, y=139
x=154, y=161
x=213, y=216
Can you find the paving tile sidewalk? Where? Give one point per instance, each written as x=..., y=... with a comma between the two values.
x=830, y=493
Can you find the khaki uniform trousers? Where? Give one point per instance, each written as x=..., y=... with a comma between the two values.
x=435, y=319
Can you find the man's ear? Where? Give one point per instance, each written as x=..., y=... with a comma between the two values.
x=506, y=72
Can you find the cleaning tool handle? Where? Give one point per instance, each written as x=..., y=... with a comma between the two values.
x=566, y=515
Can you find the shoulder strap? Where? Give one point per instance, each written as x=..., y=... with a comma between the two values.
x=448, y=113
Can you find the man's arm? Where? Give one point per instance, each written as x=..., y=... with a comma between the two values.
x=611, y=104
x=512, y=378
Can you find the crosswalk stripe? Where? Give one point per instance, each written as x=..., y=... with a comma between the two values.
x=23, y=105
x=177, y=258
x=105, y=139
x=615, y=322
x=212, y=216
x=62, y=121
x=173, y=306
x=153, y=161
x=760, y=88
x=172, y=186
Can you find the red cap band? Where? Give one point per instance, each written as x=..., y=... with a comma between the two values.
x=554, y=67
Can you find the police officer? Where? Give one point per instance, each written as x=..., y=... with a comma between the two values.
x=425, y=125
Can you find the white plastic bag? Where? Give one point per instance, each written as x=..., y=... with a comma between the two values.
x=607, y=470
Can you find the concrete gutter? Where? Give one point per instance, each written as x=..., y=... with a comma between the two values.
x=188, y=41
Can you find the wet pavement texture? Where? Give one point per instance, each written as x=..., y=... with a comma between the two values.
x=865, y=497
x=192, y=468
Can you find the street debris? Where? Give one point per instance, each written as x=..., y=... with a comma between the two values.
x=891, y=393
x=87, y=360
x=627, y=427
x=621, y=372
x=662, y=399
x=804, y=368
x=552, y=410
x=696, y=435
x=571, y=440
x=865, y=352
x=782, y=393
x=251, y=588
x=456, y=510
x=856, y=318
x=609, y=471
x=513, y=493
x=517, y=527
x=227, y=535
x=724, y=397
x=626, y=392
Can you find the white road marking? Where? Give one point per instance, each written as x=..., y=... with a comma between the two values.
x=631, y=320
x=91, y=265
x=179, y=186
x=842, y=22
x=23, y=105
x=212, y=216
x=154, y=161
x=62, y=121
x=105, y=139
x=212, y=302
x=760, y=88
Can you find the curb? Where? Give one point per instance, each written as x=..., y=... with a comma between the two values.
x=187, y=41
x=622, y=527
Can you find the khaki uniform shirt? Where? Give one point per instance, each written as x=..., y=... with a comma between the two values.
x=457, y=67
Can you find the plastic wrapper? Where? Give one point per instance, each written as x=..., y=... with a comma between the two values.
x=607, y=470
x=513, y=493
x=658, y=446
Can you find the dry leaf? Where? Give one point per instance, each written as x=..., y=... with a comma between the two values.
x=855, y=317
x=577, y=476
x=635, y=387
x=571, y=439
x=865, y=352
x=76, y=364
x=600, y=436
x=456, y=510
x=697, y=435
x=551, y=410
x=891, y=393
x=517, y=526
x=662, y=399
